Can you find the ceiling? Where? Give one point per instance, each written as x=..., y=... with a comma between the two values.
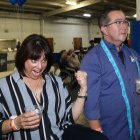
x=58, y=8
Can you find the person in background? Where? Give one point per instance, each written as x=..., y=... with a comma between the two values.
x=113, y=104
x=63, y=59
x=18, y=45
x=81, y=53
x=73, y=60
x=32, y=85
x=91, y=42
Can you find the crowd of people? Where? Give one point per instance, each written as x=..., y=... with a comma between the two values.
x=107, y=77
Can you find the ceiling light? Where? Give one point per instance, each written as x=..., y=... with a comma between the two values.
x=135, y=15
x=87, y=15
x=71, y=2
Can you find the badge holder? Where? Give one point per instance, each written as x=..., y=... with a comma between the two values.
x=138, y=86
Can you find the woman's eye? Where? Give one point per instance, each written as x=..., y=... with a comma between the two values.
x=33, y=61
x=44, y=60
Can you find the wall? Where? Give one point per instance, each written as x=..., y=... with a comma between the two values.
x=62, y=30
x=12, y=28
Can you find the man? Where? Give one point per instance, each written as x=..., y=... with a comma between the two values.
x=63, y=59
x=113, y=106
x=91, y=42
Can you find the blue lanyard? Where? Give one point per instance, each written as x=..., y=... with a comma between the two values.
x=112, y=61
x=138, y=67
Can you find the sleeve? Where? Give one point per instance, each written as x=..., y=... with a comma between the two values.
x=1, y=115
x=66, y=103
x=68, y=106
x=91, y=65
x=68, y=117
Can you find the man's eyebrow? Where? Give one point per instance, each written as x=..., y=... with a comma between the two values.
x=119, y=19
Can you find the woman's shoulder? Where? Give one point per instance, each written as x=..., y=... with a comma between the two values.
x=53, y=77
x=6, y=75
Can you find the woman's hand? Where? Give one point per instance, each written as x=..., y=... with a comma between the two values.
x=78, y=105
x=27, y=120
x=81, y=77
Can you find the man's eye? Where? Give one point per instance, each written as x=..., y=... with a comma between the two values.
x=118, y=22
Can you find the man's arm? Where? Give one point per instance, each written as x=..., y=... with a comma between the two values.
x=95, y=125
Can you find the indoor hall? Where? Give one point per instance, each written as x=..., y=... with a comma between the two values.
x=64, y=26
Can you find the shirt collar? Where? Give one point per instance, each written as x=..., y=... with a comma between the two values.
x=16, y=76
x=111, y=45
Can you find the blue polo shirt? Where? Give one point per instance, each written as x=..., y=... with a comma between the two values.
x=105, y=101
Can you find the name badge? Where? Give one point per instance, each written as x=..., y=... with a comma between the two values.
x=138, y=86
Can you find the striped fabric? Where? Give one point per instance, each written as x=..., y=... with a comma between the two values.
x=57, y=114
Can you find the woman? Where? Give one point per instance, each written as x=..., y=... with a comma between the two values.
x=73, y=60
x=32, y=85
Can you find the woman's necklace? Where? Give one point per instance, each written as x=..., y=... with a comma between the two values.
x=35, y=87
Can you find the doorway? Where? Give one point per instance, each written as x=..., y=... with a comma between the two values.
x=77, y=42
x=50, y=42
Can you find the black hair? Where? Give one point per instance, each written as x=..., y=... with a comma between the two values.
x=32, y=48
x=61, y=52
x=103, y=18
x=91, y=41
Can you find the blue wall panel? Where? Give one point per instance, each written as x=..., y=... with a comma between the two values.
x=135, y=36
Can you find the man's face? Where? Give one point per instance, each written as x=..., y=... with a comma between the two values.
x=92, y=44
x=64, y=54
x=116, y=30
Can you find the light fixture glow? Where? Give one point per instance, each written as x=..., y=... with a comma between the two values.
x=71, y=2
x=135, y=15
x=87, y=15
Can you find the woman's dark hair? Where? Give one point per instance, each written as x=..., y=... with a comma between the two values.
x=103, y=18
x=32, y=48
x=61, y=52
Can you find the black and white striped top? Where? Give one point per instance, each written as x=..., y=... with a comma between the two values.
x=57, y=114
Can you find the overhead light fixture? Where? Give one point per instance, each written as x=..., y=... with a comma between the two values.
x=87, y=15
x=69, y=2
x=135, y=15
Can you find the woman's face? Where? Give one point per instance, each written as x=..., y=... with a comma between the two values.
x=35, y=68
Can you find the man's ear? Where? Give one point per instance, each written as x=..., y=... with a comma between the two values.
x=104, y=30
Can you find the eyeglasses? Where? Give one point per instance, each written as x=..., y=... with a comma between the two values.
x=119, y=23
